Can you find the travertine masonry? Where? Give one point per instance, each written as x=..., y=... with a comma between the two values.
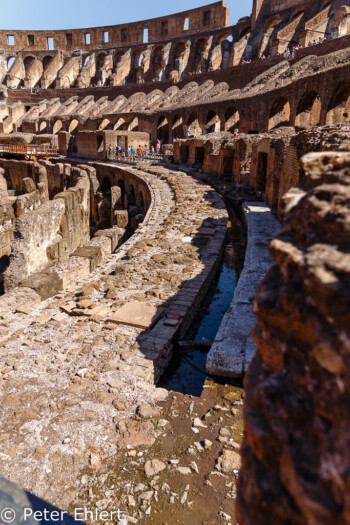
x=34, y=234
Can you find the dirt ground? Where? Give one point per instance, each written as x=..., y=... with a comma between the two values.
x=195, y=485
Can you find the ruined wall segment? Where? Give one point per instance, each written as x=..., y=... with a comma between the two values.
x=7, y=219
x=296, y=443
x=46, y=232
x=35, y=232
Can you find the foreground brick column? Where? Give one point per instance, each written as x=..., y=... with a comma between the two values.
x=296, y=450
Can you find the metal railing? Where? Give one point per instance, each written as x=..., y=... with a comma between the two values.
x=29, y=149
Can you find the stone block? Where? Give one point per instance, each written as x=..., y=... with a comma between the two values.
x=46, y=284
x=93, y=253
x=28, y=185
x=233, y=349
x=71, y=270
x=136, y=314
x=121, y=218
x=104, y=244
x=114, y=234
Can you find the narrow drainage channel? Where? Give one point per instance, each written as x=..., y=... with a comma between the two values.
x=186, y=371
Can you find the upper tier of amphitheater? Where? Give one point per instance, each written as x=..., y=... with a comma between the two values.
x=212, y=16
x=197, y=41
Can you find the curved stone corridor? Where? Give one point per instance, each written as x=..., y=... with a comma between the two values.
x=73, y=375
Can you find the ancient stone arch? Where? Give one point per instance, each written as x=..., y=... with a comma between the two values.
x=340, y=23
x=339, y=107
x=86, y=60
x=308, y=111
x=28, y=62
x=212, y=122
x=193, y=126
x=46, y=61
x=180, y=57
x=58, y=125
x=163, y=129
x=157, y=62
x=10, y=61
x=231, y=119
x=42, y=126
x=279, y=113
x=178, y=127
x=120, y=122
x=100, y=59
x=73, y=125
x=104, y=124
x=134, y=124
x=223, y=36
x=199, y=58
x=137, y=66
x=245, y=31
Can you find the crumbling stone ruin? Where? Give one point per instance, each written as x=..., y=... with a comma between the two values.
x=295, y=449
x=165, y=130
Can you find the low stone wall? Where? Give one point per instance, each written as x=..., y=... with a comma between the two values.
x=28, y=138
x=296, y=443
x=233, y=348
x=96, y=144
x=15, y=171
x=75, y=226
x=50, y=232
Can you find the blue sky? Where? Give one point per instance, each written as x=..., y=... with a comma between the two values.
x=70, y=14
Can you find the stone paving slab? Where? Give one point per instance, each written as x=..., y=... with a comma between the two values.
x=233, y=348
x=136, y=314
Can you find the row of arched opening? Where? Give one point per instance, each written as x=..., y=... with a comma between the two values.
x=309, y=110
x=161, y=59
x=193, y=127
x=28, y=62
x=308, y=114
x=129, y=196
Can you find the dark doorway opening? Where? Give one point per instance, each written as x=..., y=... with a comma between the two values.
x=262, y=172
x=184, y=153
x=99, y=143
x=228, y=163
x=200, y=152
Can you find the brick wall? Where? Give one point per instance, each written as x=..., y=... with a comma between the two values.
x=158, y=29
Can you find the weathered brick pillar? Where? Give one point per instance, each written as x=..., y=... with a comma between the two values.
x=296, y=450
